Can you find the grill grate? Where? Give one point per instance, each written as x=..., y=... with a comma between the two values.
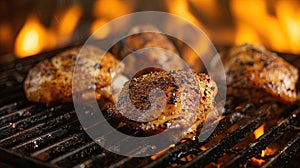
x=35, y=135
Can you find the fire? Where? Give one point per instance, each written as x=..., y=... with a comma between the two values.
x=31, y=38
x=104, y=31
x=259, y=131
x=159, y=154
x=246, y=34
x=181, y=8
x=34, y=37
x=267, y=152
x=68, y=22
x=289, y=19
x=111, y=9
x=255, y=24
x=257, y=162
x=104, y=11
x=203, y=148
x=210, y=8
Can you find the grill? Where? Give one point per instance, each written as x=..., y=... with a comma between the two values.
x=36, y=135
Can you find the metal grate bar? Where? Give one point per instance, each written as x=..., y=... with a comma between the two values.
x=262, y=142
x=224, y=141
x=78, y=155
x=38, y=130
x=284, y=155
x=62, y=147
x=36, y=144
x=19, y=114
x=32, y=115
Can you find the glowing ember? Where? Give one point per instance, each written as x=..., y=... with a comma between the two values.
x=31, y=39
x=259, y=131
x=257, y=162
x=159, y=154
x=264, y=153
x=203, y=148
x=268, y=152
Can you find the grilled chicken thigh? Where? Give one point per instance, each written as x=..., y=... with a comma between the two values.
x=184, y=102
x=260, y=75
x=51, y=80
x=160, y=51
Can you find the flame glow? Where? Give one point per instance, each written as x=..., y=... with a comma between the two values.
x=5, y=32
x=259, y=131
x=111, y=9
x=104, y=31
x=35, y=37
x=257, y=162
x=289, y=19
x=69, y=21
x=268, y=152
x=274, y=24
x=104, y=11
x=159, y=154
x=30, y=40
x=255, y=24
x=181, y=8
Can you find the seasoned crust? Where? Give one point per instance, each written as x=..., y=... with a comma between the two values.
x=188, y=100
x=256, y=73
x=158, y=50
x=51, y=80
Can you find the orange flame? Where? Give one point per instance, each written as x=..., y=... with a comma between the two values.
x=259, y=131
x=255, y=24
x=104, y=31
x=289, y=19
x=257, y=162
x=181, y=8
x=31, y=39
x=111, y=9
x=34, y=37
x=268, y=152
x=69, y=21
x=159, y=154
x=209, y=8
x=104, y=11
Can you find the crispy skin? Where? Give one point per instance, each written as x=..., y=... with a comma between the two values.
x=255, y=73
x=143, y=39
x=51, y=80
x=186, y=102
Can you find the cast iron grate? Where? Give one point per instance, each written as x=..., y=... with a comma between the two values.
x=36, y=135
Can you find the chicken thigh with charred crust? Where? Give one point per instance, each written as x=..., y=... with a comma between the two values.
x=185, y=102
x=51, y=80
x=157, y=50
x=260, y=75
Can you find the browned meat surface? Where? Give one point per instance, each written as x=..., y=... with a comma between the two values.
x=260, y=75
x=153, y=56
x=51, y=80
x=184, y=103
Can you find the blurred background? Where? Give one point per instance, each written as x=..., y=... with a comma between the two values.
x=31, y=27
